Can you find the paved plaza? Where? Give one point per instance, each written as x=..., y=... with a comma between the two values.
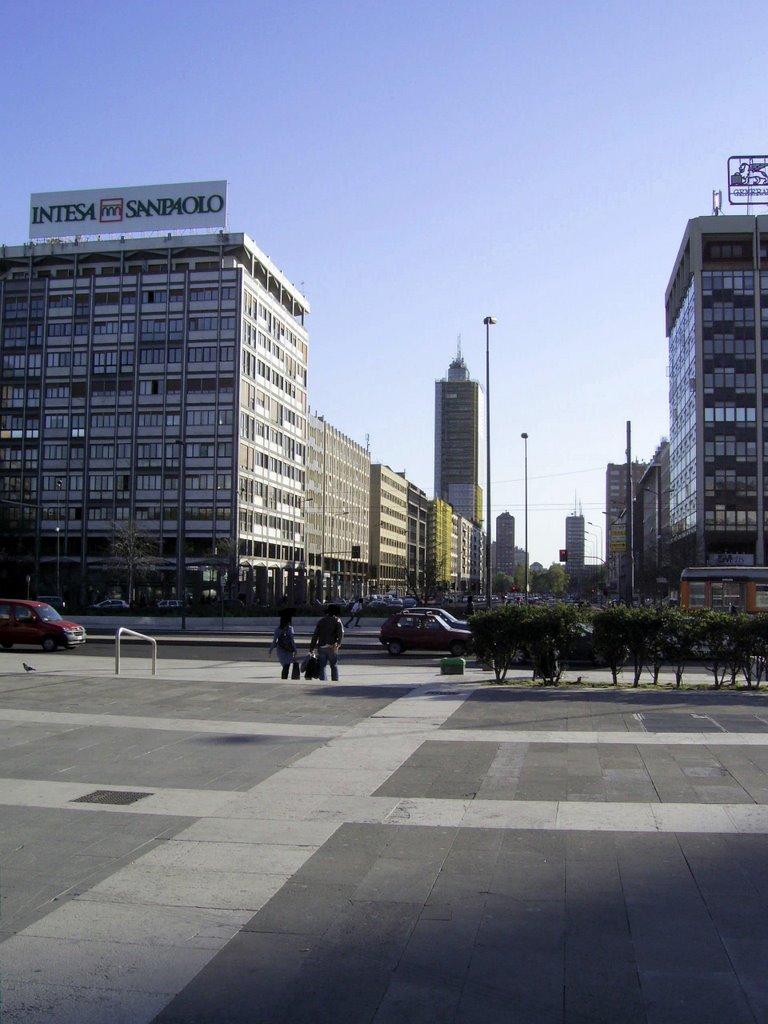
x=214, y=845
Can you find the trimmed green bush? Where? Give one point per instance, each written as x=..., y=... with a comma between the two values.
x=498, y=638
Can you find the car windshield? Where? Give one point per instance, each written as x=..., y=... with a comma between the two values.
x=48, y=614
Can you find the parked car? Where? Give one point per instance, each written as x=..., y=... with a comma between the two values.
x=55, y=602
x=386, y=602
x=451, y=620
x=37, y=624
x=114, y=604
x=580, y=651
x=169, y=602
x=583, y=647
x=423, y=632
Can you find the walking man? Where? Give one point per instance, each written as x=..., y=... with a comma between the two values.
x=326, y=640
x=354, y=613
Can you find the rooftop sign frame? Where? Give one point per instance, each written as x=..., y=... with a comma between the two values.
x=748, y=180
x=128, y=210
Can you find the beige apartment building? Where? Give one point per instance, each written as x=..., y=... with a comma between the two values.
x=389, y=530
x=336, y=513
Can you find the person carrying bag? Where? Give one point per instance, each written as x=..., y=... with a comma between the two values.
x=326, y=641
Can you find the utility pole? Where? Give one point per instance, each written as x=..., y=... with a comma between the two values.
x=630, y=555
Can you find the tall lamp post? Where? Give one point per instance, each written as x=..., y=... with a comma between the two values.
x=488, y=321
x=59, y=484
x=600, y=564
x=599, y=528
x=525, y=519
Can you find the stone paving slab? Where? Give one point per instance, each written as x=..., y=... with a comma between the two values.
x=388, y=849
x=518, y=927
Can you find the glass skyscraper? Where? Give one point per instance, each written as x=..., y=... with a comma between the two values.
x=717, y=325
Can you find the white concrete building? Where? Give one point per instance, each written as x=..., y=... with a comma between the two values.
x=157, y=381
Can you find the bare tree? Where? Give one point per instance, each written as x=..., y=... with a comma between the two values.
x=134, y=554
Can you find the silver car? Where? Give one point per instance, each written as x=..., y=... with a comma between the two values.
x=441, y=613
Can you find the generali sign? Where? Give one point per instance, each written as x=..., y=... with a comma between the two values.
x=122, y=211
x=748, y=180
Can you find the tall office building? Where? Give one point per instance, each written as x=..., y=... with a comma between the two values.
x=158, y=382
x=717, y=325
x=651, y=527
x=580, y=574
x=575, y=542
x=505, y=544
x=459, y=441
x=617, y=544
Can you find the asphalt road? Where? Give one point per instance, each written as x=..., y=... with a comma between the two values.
x=357, y=651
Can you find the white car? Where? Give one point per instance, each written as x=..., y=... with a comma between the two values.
x=170, y=602
x=114, y=604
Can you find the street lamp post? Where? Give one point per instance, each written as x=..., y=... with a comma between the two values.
x=525, y=518
x=600, y=563
x=59, y=484
x=488, y=321
x=599, y=528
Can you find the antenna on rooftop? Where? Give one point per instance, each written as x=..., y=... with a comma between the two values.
x=717, y=202
x=458, y=349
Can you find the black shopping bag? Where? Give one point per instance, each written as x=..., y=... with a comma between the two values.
x=311, y=667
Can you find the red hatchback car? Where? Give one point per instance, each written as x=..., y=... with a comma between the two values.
x=36, y=623
x=423, y=631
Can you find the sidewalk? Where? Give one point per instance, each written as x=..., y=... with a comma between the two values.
x=215, y=845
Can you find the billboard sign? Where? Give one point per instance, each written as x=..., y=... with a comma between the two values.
x=617, y=538
x=726, y=558
x=123, y=211
x=748, y=180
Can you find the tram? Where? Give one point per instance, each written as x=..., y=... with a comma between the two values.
x=725, y=588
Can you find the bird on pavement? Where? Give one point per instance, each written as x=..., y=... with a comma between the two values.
x=28, y=668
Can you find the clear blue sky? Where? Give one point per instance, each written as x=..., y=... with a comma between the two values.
x=415, y=167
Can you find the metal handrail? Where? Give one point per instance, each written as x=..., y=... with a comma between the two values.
x=139, y=636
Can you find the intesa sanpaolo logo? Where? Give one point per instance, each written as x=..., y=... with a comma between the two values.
x=111, y=211
x=197, y=204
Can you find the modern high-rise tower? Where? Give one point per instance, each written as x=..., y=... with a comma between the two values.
x=717, y=324
x=459, y=441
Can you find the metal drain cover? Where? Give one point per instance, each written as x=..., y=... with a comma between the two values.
x=109, y=796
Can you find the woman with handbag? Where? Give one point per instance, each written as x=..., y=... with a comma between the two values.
x=326, y=640
x=284, y=641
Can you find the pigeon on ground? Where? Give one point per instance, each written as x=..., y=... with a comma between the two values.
x=28, y=668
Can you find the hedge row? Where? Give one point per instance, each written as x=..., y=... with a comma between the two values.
x=730, y=646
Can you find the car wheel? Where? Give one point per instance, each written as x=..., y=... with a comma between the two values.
x=395, y=646
x=49, y=644
x=7, y=645
x=457, y=648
